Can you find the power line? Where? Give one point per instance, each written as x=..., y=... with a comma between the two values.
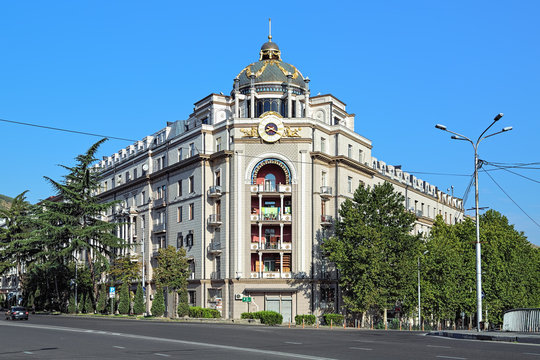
x=515, y=173
x=505, y=193
x=66, y=130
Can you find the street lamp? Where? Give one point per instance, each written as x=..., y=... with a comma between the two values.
x=457, y=136
x=419, y=307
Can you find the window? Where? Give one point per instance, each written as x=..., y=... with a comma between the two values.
x=143, y=197
x=323, y=178
x=189, y=241
x=127, y=176
x=191, y=149
x=160, y=163
x=270, y=265
x=217, y=178
x=191, y=184
x=218, y=208
x=361, y=156
x=179, y=188
x=105, y=185
x=180, y=154
x=270, y=182
x=112, y=183
x=323, y=145
x=161, y=192
x=135, y=173
x=192, y=296
x=179, y=214
x=349, y=151
x=218, y=144
x=349, y=184
x=191, y=210
x=336, y=120
x=179, y=240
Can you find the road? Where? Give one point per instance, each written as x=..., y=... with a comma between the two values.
x=58, y=337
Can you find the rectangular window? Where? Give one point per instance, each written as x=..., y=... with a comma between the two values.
x=191, y=184
x=192, y=297
x=323, y=178
x=191, y=149
x=143, y=197
x=179, y=214
x=179, y=188
x=218, y=144
x=217, y=178
x=323, y=145
x=135, y=173
x=349, y=151
x=361, y=156
x=179, y=240
x=128, y=177
x=349, y=184
x=162, y=190
x=191, y=210
x=180, y=154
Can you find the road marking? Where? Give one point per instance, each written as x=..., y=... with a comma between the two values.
x=175, y=341
x=439, y=346
x=119, y=347
x=450, y=357
x=365, y=341
x=531, y=354
x=292, y=342
x=158, y=354
x=359, y=348
x=28, y=352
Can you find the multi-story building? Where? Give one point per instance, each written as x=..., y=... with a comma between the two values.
x=250, y=185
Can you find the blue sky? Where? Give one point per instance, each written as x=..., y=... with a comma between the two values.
x=125, y=68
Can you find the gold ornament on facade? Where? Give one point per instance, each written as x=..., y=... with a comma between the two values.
x=290, y=132
x=277, y=63
x=250, y=132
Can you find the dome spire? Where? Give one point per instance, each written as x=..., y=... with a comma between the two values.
x=270, y=50
x=269, y=29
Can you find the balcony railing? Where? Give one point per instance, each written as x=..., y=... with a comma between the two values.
x=326, y=220
x=214, y=219
x=283, y=188
x=214, y=191
x=157, y=203
x=214, y=247
x=159, y=228
x=326, y=191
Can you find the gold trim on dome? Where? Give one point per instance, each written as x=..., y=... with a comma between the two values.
x=277, y=63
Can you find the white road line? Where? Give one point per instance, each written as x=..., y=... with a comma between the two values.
x=531, y=354
x=158, y=354
x=293, y=342
x=365, y=341
x=450, y=357
x=28, y=352
x=119, y=347
x=359, y=348
x=439, y=346
x=174, y=341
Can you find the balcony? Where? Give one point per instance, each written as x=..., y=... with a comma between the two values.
x=254, y=246
x=269, y=188
x=326, y=220
x=157, y=203
x=285, y=188
x=271, y=275
x=214, y=191
x=214, y=247
x=214, y=220
x=159, y=228
x=326, y=192
x=155, y=249
x=254, y=275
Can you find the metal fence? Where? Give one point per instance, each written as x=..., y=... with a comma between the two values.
x=527, y=320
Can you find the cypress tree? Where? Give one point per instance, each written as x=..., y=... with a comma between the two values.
x=138, y=306
x=123, y=303
x=183, y=306
x=71, y=305
x=158, y=305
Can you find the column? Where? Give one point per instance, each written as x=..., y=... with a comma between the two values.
x=281, y=236
x=280, y=264
x=281, y=208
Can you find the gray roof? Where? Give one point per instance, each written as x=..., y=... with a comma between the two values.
x=271, y=71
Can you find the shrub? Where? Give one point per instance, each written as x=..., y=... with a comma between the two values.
x=71, y=305
x=88, y=307
x=138, y=303
x=336, y=319
x=102, y=299
x=158, y=305
x=123, y=303
x=199, y=312
x=308, y=319
x=266, y=317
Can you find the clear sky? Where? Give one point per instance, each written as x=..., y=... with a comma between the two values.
x=125, y=68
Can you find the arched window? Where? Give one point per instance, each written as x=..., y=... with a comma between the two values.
x=270, y=182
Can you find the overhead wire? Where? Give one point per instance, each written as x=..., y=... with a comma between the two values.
x=515, y=173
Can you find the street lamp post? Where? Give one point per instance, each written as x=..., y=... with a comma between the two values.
x=419, y=303
x=478, y=248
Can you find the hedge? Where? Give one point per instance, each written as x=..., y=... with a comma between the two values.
x=337, y=319
x=199, y=312
x=308, y=319
x=266, y=317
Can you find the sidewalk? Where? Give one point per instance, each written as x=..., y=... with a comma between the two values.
x=529, y=338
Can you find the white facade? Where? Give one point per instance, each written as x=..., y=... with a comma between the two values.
x=250, y=185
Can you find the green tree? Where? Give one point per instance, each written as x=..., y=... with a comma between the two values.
x=103, y=297
x=172, y=270
x=87, y=306
x=71, y=306
x=126, y=269
x=70, y=224
x=125, y=299
x=374, y=250
x=183, y=302
x=158, y=305
x=138, y=305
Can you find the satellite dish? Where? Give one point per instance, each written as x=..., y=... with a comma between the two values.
x=145, y=167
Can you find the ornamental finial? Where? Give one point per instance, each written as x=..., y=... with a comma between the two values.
x=269, y=29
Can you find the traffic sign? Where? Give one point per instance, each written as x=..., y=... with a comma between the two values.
x=112, y=292
x=246, y=299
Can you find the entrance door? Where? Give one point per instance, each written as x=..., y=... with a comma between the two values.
x=272, y=304
x=286, y=309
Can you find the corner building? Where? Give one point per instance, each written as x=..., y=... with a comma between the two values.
x=251, y=184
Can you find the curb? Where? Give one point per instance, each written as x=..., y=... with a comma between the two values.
x=519, y=338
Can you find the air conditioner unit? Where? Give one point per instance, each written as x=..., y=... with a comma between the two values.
x=238, y=296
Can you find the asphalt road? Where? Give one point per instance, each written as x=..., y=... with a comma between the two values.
x=57, y=337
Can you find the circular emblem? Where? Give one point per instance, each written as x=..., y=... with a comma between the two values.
x=271, y=128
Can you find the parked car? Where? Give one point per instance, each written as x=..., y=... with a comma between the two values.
x=17, y=312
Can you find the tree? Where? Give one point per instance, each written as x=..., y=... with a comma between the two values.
x=125, y=269
x=172, y=270
x=138, y=305
x=183, y=305
x=374, y=250
x=103, y=296
x=71, y=225
x=158, y=305
x=125, y=299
